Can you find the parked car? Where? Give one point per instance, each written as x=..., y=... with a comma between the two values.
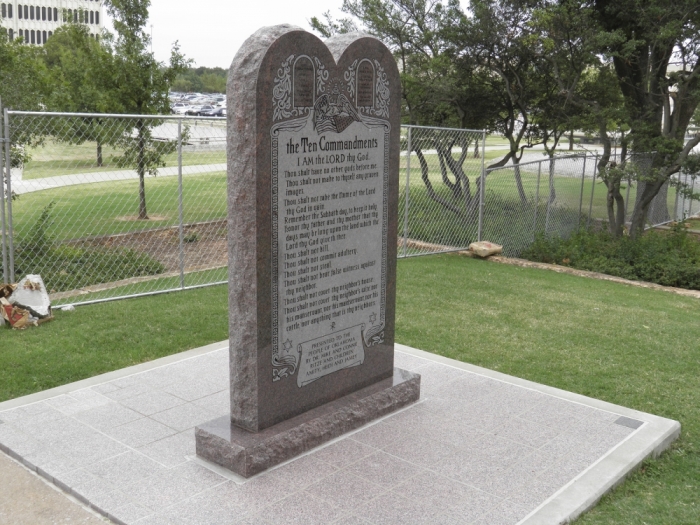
x=214, y=112
x=194, y=109
x=179, y=108
x=205, y=111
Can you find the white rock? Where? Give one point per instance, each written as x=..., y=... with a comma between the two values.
x=485, y=248
x=31, y=295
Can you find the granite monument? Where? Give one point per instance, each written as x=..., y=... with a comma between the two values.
x=313, y=155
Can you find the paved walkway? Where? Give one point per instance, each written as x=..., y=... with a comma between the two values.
x=479, y=448
x=27, y=186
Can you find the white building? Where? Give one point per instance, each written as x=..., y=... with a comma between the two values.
x=36, y=20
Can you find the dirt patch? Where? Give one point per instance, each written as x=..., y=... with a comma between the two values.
x=152, y=218
x=204, y=245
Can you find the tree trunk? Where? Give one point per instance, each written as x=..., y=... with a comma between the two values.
x=552, y=189
x=476, y=150
x=571, y=140
x=141, y=168
x=645, y=196
x=519, y=180
x=99, y=154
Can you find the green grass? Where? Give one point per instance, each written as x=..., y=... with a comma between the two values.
x=630, y=346
x=54, y=159
x=626, y=345
x=99, y=338
x=96, y=209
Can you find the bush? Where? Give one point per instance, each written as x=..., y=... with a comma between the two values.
x=65, y=267
x=669, y=258
x=506, y=221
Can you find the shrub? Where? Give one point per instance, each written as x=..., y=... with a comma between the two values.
x=669, y=258
x=65, y=267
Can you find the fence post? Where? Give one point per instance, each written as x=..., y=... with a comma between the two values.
x=179, y=203
x=8, y=181
x=482, y=187
x=692, y=190
x=627, y=197
x=551, y=191
x=537, y=199
x=675, y=202
x=580, y=200
x=685, y=183
x=590, y=206
x=3, y=240
x=409, y=146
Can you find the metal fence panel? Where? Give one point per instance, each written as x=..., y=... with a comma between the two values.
x=542, y=196
x=117, y=206
x=441, y=173
x=113, y=206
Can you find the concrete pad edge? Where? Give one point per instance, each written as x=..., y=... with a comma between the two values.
x=582, y=493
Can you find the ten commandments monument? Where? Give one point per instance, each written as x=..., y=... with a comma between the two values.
x=313, y=153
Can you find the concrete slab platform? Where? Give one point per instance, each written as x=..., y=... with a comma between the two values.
x=479, y=447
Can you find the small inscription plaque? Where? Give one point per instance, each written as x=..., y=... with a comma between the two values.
x=303, y=83
x=365, y=84
x=330, y=353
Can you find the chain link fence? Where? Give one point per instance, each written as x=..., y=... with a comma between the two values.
x=110, y=206
x=114, y=206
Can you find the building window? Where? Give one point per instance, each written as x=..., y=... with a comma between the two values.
x=43, y=13
x=33, y=37
x=3, y=10
x=19, y=13
x=43, y=36
x=92, y=17
x=12, y=34
x=26, y=12
x=55, y=14
x=50, y=33
x=49, y=14
x=38, y=37
x=97, y=18
x=31, y=12
x=9, y=10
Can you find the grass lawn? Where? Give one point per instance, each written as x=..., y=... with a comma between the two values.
x=626, y=345
x=100, y=209
x=55, y=158
x=630, y=346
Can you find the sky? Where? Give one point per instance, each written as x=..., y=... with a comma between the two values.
x=211, y=31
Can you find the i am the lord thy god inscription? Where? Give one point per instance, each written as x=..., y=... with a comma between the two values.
x=313, y=145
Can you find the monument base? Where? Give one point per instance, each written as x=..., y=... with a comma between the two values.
x=247, y=453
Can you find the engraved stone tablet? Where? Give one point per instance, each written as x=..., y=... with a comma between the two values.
x=313, y=152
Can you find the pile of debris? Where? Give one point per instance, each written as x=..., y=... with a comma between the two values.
x=25, y=303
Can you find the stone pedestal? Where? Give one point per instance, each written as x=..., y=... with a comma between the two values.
x=249, y=453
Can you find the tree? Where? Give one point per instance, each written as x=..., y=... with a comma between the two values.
x=23, y=79
x=438, y=87
x=202, y=80
x=654, y=46
x=23, y=86
x=80, y=69
x=142, y=87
